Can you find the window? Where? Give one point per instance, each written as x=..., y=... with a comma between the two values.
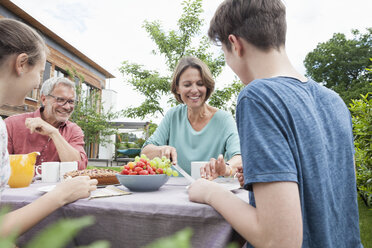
x=35, y=92
x=46, y=75
x=90, y=92
x=58, y=72
x=87, y=89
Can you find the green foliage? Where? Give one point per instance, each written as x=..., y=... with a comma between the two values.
x=90, y=116
x=139, y=142
x=148, y=83
x=151, y=128
x=340, y=64
x=221, y=98
x=365, y=224
x=174, y=44
x=9, y=241
x=58, y=235
x=180, y=239
x=362, y=128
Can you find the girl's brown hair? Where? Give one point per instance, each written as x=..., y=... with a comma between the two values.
x=16, y=38
x=192, y=62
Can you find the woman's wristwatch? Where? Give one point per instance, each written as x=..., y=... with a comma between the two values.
x=230, y=170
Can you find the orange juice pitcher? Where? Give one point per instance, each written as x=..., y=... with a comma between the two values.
x=22, y=167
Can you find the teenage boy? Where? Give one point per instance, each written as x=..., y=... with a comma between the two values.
x=296, y=140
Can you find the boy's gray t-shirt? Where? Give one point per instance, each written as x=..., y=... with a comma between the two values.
x=302, y=132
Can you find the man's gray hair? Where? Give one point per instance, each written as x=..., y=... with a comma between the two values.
x=49, y=85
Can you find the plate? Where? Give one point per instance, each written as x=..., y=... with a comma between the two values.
x=104, y=185
x=228, y=183
x=47, y=188
x=108, y=191
x=51, y=187
x=230, y=187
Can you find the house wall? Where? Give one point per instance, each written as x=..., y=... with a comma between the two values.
x=109, y=103
x=59, y=57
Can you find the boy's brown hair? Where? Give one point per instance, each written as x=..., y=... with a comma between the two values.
x=260, y=22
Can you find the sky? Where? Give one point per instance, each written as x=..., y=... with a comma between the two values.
x=111, y=31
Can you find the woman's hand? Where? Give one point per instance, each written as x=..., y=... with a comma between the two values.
x=214, y=168
x=169, y=152
x=75, y=188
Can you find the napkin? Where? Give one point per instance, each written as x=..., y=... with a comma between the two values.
x=108, y=191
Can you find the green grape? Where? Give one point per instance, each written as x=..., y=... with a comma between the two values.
x=175, y=173
x=162, y=165
x=163, y=158
x=153, y=163
x=167, y=161
x=144, y=156
x=136, y=159
x=169, y=171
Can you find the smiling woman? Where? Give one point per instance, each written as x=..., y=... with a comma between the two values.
x=193, y=130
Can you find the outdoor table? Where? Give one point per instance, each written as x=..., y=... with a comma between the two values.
x=134, y=220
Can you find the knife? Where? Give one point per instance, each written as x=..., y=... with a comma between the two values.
x=184, y=173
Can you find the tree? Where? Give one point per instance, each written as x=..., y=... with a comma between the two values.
x=173, y=45
x=90, y=116
x=361, y=110
x=340, y=64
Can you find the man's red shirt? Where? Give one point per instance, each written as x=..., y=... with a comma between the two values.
x=21, y=141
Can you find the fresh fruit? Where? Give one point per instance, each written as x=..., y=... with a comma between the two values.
x=144, y=166
x=131, y=165
x=143, y=172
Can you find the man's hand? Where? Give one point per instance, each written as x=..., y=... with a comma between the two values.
x=40, y=126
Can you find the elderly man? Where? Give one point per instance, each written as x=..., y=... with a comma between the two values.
x=47, y=130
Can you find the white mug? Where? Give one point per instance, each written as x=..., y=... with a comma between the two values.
x=66, y=167
x=49, y=172
x=195, y=168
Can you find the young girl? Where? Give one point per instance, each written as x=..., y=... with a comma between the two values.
x=22, y=61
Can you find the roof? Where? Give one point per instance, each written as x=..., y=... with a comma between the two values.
x=46, y=31
x=129, y=125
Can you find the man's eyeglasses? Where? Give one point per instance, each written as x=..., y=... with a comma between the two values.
x=62, y=101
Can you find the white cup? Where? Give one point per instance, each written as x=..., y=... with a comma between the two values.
x=195, y=168
x=49, y=172
x=65, y=167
